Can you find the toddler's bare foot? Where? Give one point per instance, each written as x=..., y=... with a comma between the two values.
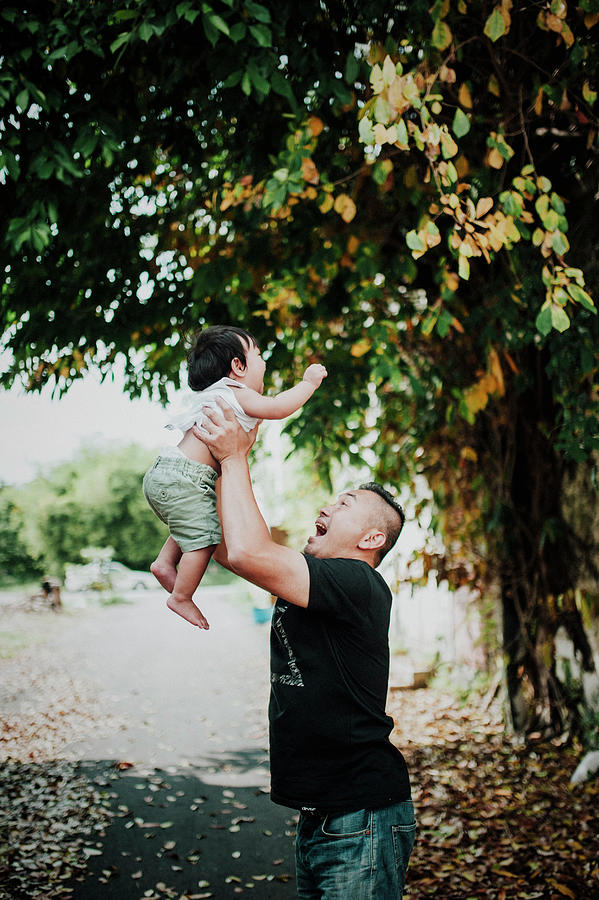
x=186, y=608
x=164, y=574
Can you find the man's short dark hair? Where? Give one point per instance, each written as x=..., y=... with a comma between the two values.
x=392, y=524
x=213, y=351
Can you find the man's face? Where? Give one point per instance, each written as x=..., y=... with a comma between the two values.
x=340, y=527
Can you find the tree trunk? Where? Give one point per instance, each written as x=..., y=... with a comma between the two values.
x=540, y=562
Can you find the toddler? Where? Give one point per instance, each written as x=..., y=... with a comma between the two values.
x=225, y=362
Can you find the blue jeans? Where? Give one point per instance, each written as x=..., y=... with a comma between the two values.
x=355, y=856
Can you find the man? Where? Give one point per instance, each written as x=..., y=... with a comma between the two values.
x=330, y=753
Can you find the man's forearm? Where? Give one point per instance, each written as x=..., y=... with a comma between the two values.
x=243, y=526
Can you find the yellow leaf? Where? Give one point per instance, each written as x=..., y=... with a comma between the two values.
x=441, y=37
x=539, y=102
x=447, y=74
x=316, y=125
x=396, y=96
x=496, y=371
x=327, y=203
x=388, y=70
x=493, y=86
x=380, y=134
x=462, y=166
x=345, y=206
x=511, y=362
x=352, y=244
x=469, y=453
x=477, y=396
x=450, y=148
x=464, y=96
x=361, y=347
x=567, y=35
x=562, y=888
x=452, y=282
x=410, y=178
x=494, y=158
x=553, y=23
x=309, y=171
x=483, y=206
x=591, y=19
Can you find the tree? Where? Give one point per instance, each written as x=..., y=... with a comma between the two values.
x=403, y=190
x=95, y=499
x=15, y=560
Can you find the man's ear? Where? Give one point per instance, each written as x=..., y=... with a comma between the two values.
x=372, y=540
x=237, y=367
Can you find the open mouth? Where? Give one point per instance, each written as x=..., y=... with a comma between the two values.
x=321, y=528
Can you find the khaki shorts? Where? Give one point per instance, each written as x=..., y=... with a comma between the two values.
x=181, y=493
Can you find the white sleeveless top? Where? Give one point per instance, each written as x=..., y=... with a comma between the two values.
x=189, y=409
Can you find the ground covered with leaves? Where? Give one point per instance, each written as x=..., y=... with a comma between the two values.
x=497, y=820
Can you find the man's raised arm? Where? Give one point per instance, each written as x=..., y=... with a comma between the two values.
x=251, y=551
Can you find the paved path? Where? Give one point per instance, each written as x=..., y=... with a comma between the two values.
x=187, y=709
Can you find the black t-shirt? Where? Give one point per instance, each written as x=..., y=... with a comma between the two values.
x=329, y=733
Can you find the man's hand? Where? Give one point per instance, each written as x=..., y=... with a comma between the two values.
x=315, y=374
x=222, y=433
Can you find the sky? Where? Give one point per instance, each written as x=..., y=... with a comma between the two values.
x=38, y=431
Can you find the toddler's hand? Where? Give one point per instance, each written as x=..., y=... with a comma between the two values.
x=315, y=374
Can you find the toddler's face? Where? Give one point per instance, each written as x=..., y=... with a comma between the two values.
x=255, y=368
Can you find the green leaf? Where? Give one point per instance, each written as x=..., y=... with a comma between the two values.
x=258, y=80
x=413, y=241
x=559, y=318
x=441, y=36
x=543, y=320
x=219, y=23
x=246, y=84
x=382, y=111
x=259, y=12
x=402, y=132
x=233, y=79
x=262, y=35
x=560, y=243
x=461, y=123
x=352, y=67
x=495, y=25
x=558, y=204
x=366, y=130
x=9, y=160
x=238, y=32
x=212, y=33
x=118, y=43
x=581, y=296
x=464, y=267
x=145, y=31
x=122, y=14
x=23, y=100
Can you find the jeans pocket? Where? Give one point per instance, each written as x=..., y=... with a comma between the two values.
x=348, y=824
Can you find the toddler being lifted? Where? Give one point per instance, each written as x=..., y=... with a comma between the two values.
x=224, y=363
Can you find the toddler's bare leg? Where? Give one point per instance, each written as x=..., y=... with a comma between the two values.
x=189, y=574
x=164, y=567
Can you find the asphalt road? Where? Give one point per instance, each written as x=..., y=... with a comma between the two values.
x=183, y=759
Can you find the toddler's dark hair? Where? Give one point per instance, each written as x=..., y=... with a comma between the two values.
x=214, y=350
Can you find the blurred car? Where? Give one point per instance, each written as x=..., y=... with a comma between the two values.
x=108, y=575
x=129, y=579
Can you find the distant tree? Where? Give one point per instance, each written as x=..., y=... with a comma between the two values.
x=406, y=191
x=95, y=499
x=16, y=561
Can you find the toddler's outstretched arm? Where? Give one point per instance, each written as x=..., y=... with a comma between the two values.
x=287, y=402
